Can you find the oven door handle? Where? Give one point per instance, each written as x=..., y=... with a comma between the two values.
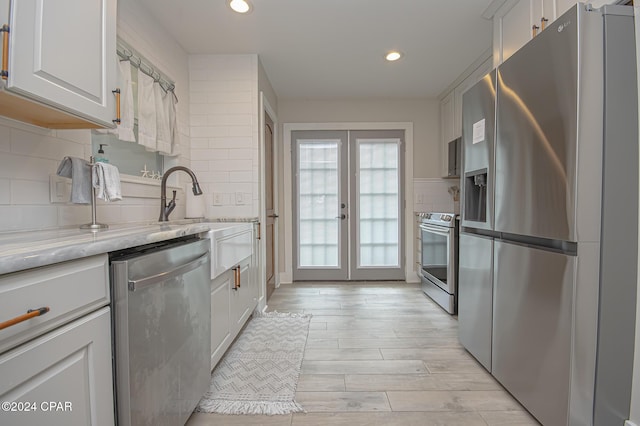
x=435, y=230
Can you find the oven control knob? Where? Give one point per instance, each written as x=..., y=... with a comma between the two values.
x=446, y=217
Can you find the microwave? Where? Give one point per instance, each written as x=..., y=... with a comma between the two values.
x=454, y=158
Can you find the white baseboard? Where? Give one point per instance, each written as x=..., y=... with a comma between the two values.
x=413, y=278
x=286, y=278
x=629, y=423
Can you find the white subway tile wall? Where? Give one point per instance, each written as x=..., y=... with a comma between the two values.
x=29, y=155
x=224, y=131
x=432, y=195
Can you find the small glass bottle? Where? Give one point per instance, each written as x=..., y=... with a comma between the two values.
x=101, y=157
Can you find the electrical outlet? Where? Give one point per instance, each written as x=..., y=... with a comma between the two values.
x=59, y=189
x=239, y=198
x=218, y=199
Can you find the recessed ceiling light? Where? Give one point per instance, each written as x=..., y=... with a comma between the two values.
x=393, y=56
x=240, y=6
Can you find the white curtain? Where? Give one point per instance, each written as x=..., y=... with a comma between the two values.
x=163, y=128
x=147, y=124
x=170, y=100
x=125, y=129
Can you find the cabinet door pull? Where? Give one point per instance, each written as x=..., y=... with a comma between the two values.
x=117, y=93
x=4, y=73
x=543, y=23
x=238, y=276
x=534, y=30
x=259, y=233
x=31, y=313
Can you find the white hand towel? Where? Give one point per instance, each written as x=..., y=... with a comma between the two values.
x=125, y=129
x=106, y=181
x=79, y=171
x=162, y=122
x=147, y=130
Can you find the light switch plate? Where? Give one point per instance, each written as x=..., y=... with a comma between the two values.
x=218, y=199
x=59, y=189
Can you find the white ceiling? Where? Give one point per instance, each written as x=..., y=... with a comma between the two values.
x=333, y=49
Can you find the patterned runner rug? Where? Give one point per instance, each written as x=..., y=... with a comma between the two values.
x=259, y=373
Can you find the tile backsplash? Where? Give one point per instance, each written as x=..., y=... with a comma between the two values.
x=29, y=155
x=224, y=131
x=432, y=195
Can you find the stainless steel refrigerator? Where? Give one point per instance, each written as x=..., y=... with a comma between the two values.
x=475, y=260
x=565, y=221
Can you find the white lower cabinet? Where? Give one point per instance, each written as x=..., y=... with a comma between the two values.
x=234, y=296
x=234, y=283
x=221, y=288
x=62, y=377
x=243, y=298
x=56, y=368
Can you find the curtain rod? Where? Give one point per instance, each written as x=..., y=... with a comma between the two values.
x=140, y=62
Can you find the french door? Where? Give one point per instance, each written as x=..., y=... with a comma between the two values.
x=348, y=202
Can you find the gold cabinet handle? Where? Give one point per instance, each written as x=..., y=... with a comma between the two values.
x=534, y=30
x=117, y=93
x=236, y=278
x=31, y=313
x=4, y=73
x=543, y=23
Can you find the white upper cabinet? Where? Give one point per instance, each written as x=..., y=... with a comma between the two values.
x=518, y=21
x=447, y=129
x=451, y=109
x=458, y=92
x=563, y=5
x=516, y=28
x=62, y=54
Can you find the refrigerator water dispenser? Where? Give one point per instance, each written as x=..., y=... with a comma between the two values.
x=475, y=203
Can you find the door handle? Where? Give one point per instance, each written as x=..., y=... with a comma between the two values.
x=273, y=216
x=167, y=275
x=342, y=216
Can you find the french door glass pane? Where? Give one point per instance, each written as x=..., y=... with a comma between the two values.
x=378, y=202
x=318, y=200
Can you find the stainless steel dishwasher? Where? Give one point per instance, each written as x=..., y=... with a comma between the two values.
x=162, y=331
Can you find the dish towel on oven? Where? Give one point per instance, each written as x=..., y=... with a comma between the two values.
x=79, y=171
x=106, y=181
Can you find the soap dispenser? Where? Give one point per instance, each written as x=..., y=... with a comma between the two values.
x=101, y=158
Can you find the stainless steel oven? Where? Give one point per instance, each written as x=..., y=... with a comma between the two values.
x=439, y=258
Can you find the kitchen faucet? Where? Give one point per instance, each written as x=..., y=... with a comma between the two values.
x=166, y=209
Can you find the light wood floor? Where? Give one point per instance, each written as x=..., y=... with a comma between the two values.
x=383, y=354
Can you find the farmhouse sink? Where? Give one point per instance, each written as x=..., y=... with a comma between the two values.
x=230, y=243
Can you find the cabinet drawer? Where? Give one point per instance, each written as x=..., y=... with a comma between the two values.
x=64, y=376
x=69, y=289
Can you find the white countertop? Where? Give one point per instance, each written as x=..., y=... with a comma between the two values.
x=31, y=249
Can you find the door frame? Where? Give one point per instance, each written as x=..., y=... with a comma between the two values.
x=267, y=110
x=286, y=277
